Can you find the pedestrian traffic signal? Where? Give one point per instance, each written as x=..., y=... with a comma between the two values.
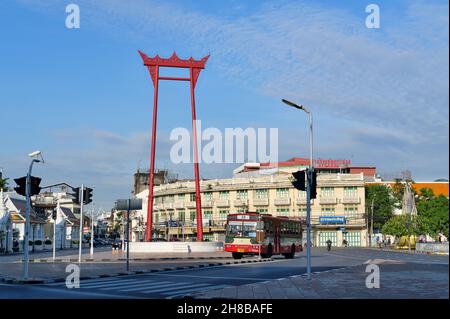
x=313, y=185
x=34, y=185
x=87, y=195
x=299, y=182
x=21, y=188
x=75, y=194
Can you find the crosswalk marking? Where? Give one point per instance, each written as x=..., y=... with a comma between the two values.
x=98, y=285
x=154, y=285
x=144, y=285
x=174, y=288
x=184, y=292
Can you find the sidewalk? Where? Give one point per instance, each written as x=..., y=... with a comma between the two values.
x=398, y=280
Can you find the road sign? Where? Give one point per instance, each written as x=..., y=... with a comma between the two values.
x=135, y=204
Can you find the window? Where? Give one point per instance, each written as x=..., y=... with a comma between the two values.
x=328, y=211
x=224, y=195
x=302, y=211
x=242, y=194
x=181, y=216
x=301, y=194
x=192, y=197
x=283, y=211
x=261, y=193
x=261, y=210
x=208, y=214
x=327, y=191
x=282, y=193
x=351, y=210
x=350, y=191
x=207, y=196
x=181, y=196
x=193, y=214
x=169, y=198
x=223, y=213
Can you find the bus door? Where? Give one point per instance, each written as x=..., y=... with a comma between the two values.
x=277, y=239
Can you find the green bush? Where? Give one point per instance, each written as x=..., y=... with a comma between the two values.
x=48, y=242
x=30, y=243
x=38, y=242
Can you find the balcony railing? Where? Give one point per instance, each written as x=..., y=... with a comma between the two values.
x=179, y=205
x=240, y=202
x=351, y=200
x=260, y=201
x=283, y=201
x=168, y=206
x=191, y=204
x=222, y=203
x=207, y=203
x=327, y=200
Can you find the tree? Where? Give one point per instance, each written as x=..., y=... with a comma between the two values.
x=383, y=204
x=4, y=183
x=433, y=212
x=402, y=225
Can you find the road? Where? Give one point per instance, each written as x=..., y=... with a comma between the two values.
x=178, y=283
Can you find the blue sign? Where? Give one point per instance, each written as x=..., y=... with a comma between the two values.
x=332, y=219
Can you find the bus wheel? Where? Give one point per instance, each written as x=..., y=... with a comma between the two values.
x=237, y=255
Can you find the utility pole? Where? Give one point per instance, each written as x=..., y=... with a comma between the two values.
x=81, y=223
x=92, y=230
x=371, y=223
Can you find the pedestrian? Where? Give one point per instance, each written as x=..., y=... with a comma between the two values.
x=344, y=243
x=329, y=242
x=389, y=241
x=440, y=239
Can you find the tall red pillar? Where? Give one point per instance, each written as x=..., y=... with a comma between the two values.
x=194, y=66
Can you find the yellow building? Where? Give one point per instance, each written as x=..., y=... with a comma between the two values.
x=337, y=213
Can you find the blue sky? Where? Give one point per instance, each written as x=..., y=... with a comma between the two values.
x=379, y=96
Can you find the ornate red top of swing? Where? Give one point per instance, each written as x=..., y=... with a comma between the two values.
x=174, y=61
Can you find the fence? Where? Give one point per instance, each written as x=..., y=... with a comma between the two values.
x=432, y=248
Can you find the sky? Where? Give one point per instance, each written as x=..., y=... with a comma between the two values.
x=83, y=97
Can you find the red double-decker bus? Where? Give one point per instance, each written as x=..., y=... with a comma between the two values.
x=254, y=233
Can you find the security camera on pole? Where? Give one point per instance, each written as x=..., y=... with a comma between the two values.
x=28, y=186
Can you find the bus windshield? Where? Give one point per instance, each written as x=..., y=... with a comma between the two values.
x=241, y=229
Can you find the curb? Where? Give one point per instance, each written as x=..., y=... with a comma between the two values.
x=16, y=281
x=67, y=260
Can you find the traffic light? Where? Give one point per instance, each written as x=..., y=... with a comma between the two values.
x=314, y=185
x=299, y=182
x=54, y=214
x=75, y=194
x=34, y=185
x=21, y=188
x=87, y=195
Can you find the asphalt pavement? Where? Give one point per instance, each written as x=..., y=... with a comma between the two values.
x=179, y=283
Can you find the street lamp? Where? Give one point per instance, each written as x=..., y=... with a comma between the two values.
x=34, y=155
x=308, y=190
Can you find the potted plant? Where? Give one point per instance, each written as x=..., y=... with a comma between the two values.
x=48, y=244
x=38, y=245
x=75, y=243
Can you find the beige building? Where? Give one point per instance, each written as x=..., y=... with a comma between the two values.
x=337, y=213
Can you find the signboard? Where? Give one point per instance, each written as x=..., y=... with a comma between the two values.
x=86, y=229
x=332, y=219
x=135, y=204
